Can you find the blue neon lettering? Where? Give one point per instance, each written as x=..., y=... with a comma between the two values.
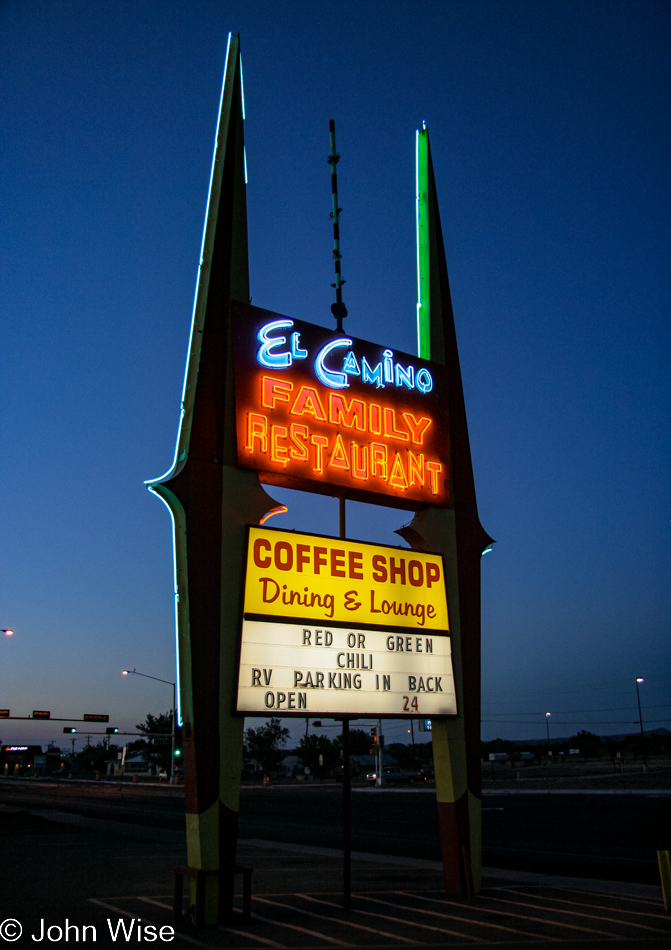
x=384, y=372
x=296, y=351
x=350, y=366
x=264, y=356
x=388, y=366
x=370, y=375
x=424, y=380
x=404, y=376
x=327, y=376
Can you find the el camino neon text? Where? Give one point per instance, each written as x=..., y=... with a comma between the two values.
x=273, y=354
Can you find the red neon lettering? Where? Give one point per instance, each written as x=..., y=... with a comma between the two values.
x=359, y=461
x=434, y=468
x=308, y=401
x=415, y=469
x=378, y=459
x=348, y=415
x=298, y=450
x=417, y=426
x=374, y=418
x=320, y=443
x=397, y=477
x=257, y=428
x=278, y=453
x=274, y=390
x=390, y=430
x=339, y=455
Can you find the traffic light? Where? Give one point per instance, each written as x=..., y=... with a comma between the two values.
x=111, y=730
x=382, y=742
x=373, y=733
x=69, y=729
x=178, y=752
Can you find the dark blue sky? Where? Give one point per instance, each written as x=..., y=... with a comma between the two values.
x=549, y=125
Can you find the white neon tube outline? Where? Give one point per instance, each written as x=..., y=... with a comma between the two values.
x=178, y=701
x=154, y=481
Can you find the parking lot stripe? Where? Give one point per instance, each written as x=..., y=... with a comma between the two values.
x=619, y=897
x=537, y=920
x=555, y=923
x=230, y=930
x=470, y=920
x=350, y=923
x=304, y=930
x=576, y=913
x=413, y=923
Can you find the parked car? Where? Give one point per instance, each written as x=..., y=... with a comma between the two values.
x=425, y=776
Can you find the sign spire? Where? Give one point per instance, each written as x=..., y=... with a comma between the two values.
x=338, y=309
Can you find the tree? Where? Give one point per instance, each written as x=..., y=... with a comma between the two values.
x=92, y=758
x=587, y=742
x=156, y=725
x=158, y=744
x=360, y=742
x=264, y=745
x=311, y=747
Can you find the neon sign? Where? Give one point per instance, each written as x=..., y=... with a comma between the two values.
x=322, y=413
x=384, y=373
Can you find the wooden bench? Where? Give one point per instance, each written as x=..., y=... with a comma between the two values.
x=182, y=871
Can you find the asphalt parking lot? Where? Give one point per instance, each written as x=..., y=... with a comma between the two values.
x=62, y=876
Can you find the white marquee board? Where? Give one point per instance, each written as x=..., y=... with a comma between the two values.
x=311, y=669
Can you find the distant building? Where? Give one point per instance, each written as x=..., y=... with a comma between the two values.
x=27, y=760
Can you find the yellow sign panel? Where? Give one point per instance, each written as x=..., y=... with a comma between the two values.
x=300, y=576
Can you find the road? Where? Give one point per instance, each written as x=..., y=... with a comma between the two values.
x=606, y=836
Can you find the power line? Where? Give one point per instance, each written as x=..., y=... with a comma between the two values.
x=568, y=689
x=571, y=712
x=576, y=722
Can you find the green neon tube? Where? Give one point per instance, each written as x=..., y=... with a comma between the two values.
x=422, y=221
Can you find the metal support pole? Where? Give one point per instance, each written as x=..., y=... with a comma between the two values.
x=346, y=819
x=639, y=679
x=547, y=729
x=346, y=783
x=379, y=780
x=174, y=733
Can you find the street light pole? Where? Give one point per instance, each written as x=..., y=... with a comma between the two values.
x=174, y=714
x=547, y=729
x=639, y=679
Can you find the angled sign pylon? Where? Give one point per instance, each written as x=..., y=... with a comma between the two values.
x=456, y=532
x=211, y=500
